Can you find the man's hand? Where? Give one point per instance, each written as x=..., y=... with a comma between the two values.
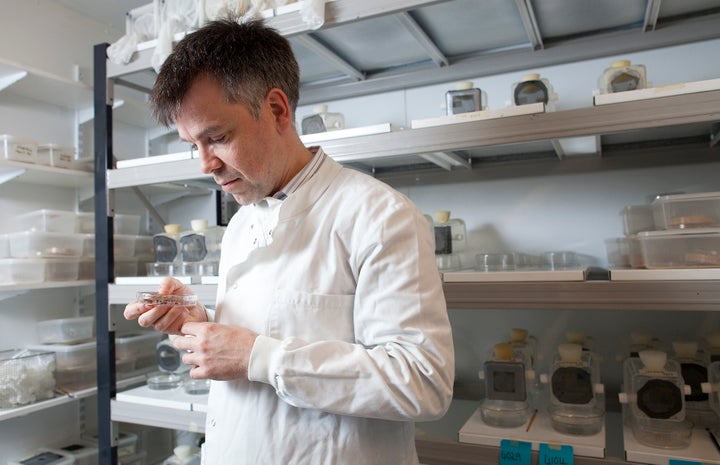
x=166, y=318
x=217, y=351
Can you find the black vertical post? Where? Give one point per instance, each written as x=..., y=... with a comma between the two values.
x=103, y=256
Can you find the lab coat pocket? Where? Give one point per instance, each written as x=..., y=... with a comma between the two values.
x=312, y=317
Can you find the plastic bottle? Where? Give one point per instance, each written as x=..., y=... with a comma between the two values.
x=622, y=76
x=165, y=244
x=321, y=120
x=533, y=89
x=464, y=99
x=506, y=395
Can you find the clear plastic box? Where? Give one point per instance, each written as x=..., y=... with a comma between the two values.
x=26, y=376
x=38, y=270
x=55, y=155
x=40, y=244
x=694, y=248
x=128, y=245
x=16, y=149
x=76, y=378
x=122, y=223
x=687, y=211
x=58, y=221
x=65, y=330
x=141, y=347
x=637, y=218
x=71, y=356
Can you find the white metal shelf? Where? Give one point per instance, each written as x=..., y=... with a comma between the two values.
x=40, y=174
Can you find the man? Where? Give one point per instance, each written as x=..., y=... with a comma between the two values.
x=330, y=336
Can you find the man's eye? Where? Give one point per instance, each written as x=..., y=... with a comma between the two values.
x=217, y=140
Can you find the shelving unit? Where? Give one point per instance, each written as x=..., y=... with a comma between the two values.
x=399, y=149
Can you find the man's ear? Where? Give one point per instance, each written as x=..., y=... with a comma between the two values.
x=280, y=108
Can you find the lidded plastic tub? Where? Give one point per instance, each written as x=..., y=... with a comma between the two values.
x=45, y=220
x=16, y=149
x=637, y=218
x=690, y=248
x=38, y=244
x=38, y=270
x=65, y=330
x=26, y=376
x=687, y=211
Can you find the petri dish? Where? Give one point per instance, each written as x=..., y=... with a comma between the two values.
x=160, y=380
x=154, y=298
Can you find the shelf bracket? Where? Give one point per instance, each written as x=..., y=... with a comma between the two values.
x=10, y=173
x=422, y=38
x=447, y=160
x=527, y=15
x=652, y=11
x=576, y=146
x=715, y=135
x=337, y=61
x=10, y=79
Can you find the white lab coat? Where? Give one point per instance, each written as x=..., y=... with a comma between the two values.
x=340, y=281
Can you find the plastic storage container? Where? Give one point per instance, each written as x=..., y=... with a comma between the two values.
x=687, y=211
x=140, y=347
x=577, y=402
x=655, y=396
x=533, y=89
x=201, y=243
x=55, y=221
x=65, y=330
x=76, y=364
x=26, y=376
x=506, y=403
x=165, y=245
x=16, y=149
x=55, y=155
x=38, y=244
x=691, y=248
x=465, y=99
x=321, y=121
x=38, y=270
x=637, y=218
x=622, y=76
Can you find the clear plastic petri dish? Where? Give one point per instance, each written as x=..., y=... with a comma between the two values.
x=160, y=380
x=154, y=298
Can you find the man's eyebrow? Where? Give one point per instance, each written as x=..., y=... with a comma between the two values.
x=205, y=132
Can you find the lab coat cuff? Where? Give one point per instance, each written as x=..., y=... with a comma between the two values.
x=260, y=367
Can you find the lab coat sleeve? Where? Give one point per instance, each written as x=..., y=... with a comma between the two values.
x=401, y=364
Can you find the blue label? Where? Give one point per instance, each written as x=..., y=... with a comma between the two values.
x=555, y=455
x=515, y=452
x=683, y=462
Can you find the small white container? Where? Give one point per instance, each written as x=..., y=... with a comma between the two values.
x=465, y=99
x=45, y=457
x=55, y=155
x=58, y=221
x=17, y=149
x=37, y=244
x=687, y=211
x=38, y=270
x=65, y=330
x=692, y=248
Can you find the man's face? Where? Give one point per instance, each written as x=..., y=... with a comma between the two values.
x=243, y=154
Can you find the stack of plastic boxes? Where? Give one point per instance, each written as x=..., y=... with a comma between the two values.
x=674, y=231
x=41, y=246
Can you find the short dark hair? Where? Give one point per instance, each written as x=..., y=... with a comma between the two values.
x=247, y=58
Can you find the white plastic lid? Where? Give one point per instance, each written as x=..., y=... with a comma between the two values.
x=442, y=216
x=183, y=451
x=577, y=337
x=654, y=360
x=502, y=351
x=620, y=64
x=199, y=225
x=518, y=334
x=463, y=85
x=570, y=352
x=172, y=228
x=322, y=108
x=685, y=348
x=530, y=77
